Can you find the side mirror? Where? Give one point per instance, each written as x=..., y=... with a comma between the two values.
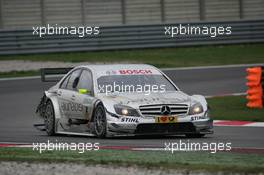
x=83, y=91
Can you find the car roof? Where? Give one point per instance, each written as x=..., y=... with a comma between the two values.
x=95, y=67
x=113, y=69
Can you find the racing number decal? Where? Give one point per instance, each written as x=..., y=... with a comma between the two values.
x=72, y=107
x=165, y=119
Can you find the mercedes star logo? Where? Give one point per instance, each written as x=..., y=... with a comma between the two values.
x=165, y=110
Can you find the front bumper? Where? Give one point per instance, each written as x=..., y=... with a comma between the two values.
x=149, y=127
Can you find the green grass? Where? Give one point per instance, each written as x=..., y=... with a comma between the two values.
x=163, y=57
x=227, y=162
x=234, y=108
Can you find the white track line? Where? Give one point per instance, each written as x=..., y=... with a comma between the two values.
x=214, y=67
x=20, y=78
x=255, y=124
x=164, y=69
x=251, y=124
x=225, y=95
x=29, y=77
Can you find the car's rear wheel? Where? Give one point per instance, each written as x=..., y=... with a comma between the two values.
x=49, y=119
x=195, y=135
x=99, y=121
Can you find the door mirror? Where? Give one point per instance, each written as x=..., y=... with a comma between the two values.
x=83, y=91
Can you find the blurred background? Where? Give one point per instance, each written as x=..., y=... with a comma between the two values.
x=125, y=24
x=17, y=14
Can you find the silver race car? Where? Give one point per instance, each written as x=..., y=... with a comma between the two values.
x=121, y=99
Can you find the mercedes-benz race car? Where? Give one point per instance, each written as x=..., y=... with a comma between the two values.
x=122, y=99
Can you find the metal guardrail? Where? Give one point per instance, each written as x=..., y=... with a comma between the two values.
x=127, y=37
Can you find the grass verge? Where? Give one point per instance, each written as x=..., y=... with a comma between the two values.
x=162, y=57
x=234, y=108
x=226, y=162
x=159, y=57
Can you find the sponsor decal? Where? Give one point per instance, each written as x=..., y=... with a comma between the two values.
x=111, y=72
x=166, y=119
x=129, y=120
x=198, y=118
x=135, y=71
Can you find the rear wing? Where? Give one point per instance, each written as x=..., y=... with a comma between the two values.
x=53, y=74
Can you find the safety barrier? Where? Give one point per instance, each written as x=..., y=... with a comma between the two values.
x=255, y=83
x=127, y=37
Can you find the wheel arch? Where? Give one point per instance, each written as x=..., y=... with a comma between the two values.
x=97, y=102
x=56, y=107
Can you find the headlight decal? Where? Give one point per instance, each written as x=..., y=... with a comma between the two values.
x=196, y=109
x=126, y=110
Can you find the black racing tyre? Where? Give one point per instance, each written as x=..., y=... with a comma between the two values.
x=195, y=135
x=99, y=122
x=49, y=119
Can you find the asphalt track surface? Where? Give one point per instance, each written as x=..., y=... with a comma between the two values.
x=20, y=97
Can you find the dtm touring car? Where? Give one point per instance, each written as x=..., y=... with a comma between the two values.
x=121, y=99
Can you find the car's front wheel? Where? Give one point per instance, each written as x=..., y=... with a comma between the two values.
x=49, y=119
x=99, y=121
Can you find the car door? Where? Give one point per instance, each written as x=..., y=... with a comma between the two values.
x=67, y=96
x=85, y=95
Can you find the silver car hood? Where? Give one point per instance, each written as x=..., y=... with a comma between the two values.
x=135, y=100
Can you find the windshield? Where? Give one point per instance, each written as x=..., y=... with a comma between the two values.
x=134, y=83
